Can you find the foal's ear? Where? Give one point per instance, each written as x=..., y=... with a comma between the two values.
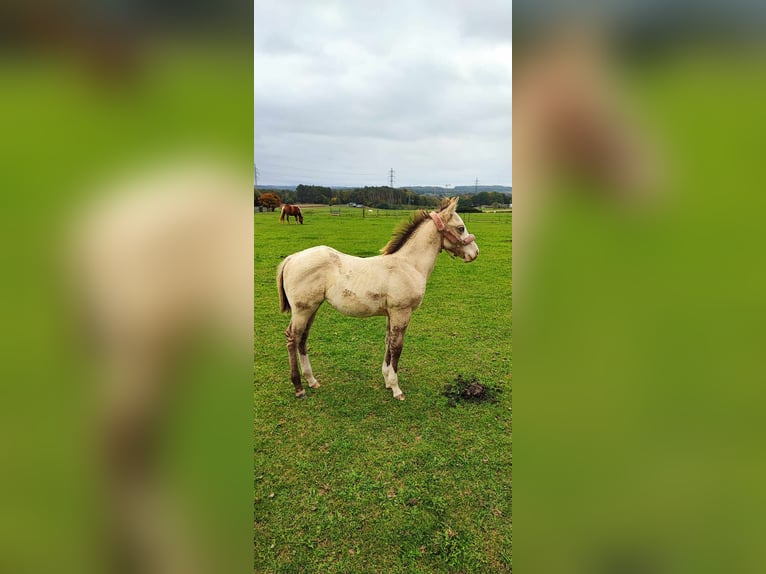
x=449, y=210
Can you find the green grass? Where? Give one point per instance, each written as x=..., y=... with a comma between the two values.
x=351, y=480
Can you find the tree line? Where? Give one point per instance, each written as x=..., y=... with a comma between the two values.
x=380, y=197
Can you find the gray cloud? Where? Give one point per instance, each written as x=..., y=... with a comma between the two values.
x=344, y=91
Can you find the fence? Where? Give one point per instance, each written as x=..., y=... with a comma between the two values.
x=489, y=216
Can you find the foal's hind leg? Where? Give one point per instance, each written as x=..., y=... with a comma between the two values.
x=295, y=376
x=296, y=336
x=304, y=357
x=396, y=325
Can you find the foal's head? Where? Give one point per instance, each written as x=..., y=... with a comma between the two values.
x=455, y=237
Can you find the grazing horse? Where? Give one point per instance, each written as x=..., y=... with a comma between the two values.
x=391, y=284
x=291, y=210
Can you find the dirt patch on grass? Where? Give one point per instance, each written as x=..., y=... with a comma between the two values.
x=471, y=390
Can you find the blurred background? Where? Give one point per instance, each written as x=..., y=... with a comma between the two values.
x=639, y=287
x=127, y=143
x=125, y=401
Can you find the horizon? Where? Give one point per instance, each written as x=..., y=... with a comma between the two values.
x=445, y=187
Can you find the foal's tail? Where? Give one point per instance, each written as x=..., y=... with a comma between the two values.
x=284, y=304
x=282, y=214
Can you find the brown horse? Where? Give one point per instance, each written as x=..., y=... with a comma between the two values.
x=291, y=210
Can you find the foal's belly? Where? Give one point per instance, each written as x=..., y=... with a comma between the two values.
x=373, y=286
x=349, y=301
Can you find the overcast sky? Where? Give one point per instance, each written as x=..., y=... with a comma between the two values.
x=346, y=90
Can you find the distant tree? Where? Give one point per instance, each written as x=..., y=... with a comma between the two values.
x=464, y=205
x=312, y=194
x=427, y=200
x=270, y=201
x=287, y=195
x=482, y=198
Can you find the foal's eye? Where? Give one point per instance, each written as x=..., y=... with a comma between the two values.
x=461, y=229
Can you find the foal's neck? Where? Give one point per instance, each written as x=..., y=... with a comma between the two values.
x=421, y=249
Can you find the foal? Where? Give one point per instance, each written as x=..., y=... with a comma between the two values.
x=391, y=284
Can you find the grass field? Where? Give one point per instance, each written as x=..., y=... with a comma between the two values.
x=351, y=480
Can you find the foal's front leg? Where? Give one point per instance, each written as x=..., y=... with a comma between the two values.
x=396, y=325
x=387, y=357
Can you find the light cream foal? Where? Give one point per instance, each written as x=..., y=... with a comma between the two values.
x=391, y=284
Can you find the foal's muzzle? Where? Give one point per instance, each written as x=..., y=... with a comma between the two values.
x=470, y=255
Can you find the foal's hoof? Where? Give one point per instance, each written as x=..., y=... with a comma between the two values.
x=399, y=397
x=300, y=394
x=314, y=385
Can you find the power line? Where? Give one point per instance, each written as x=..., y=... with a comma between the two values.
x=391, y=186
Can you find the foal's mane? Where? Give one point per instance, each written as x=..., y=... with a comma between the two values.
x=405, y=230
